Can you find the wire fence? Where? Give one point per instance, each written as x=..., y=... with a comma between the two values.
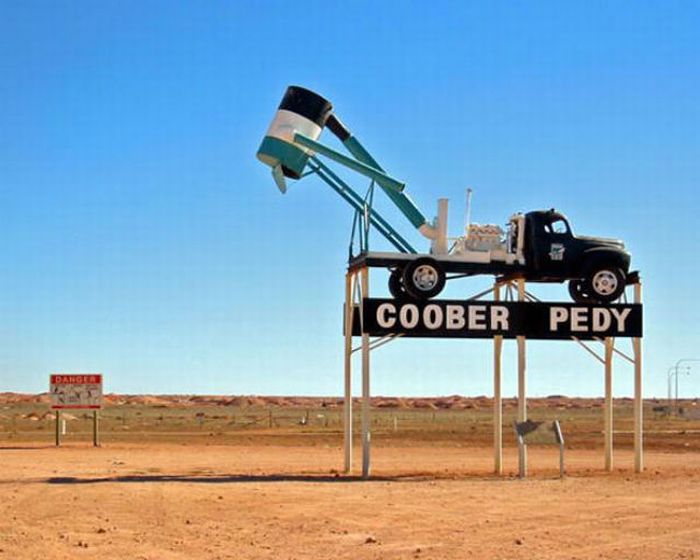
x=583, y=426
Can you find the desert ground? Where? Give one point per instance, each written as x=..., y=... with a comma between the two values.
x=250, y=477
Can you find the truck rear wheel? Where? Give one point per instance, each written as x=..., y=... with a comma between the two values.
x=423, y=278
x=605, y=283
x=396, y=288
x=577, y=291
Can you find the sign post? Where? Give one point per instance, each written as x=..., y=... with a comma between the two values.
x=58, y=428
x=497, y=400
x=366, y=421
x=638, y=398
x=538, y=432
x=522, y=384
x=608, y=410
x=77, y=391
x=95, y=429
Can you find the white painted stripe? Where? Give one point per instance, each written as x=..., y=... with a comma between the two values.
x=287, y=123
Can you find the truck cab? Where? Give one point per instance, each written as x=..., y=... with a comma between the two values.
x=596, y=267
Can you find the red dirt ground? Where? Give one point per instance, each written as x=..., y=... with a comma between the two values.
x=190, y=500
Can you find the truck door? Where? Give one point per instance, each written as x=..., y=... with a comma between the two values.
x=552, y=245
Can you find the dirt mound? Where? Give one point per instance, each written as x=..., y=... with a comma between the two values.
x=24, y=398
x=449, y=402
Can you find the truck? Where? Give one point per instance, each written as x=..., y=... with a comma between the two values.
x=538, y=246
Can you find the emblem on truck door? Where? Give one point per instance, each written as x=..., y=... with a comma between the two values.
x=556, y=252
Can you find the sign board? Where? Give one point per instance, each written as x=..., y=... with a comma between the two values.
x=482, y=319
x=539, y=432
x=70, y=390
x=530, y=431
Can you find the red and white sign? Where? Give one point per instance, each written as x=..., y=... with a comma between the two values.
x=76, y=390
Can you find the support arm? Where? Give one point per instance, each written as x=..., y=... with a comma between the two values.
x=366, y=165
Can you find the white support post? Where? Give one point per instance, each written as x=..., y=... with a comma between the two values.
x=497, y=400
x=347, y=402
x=638, y=399
x=608, y=411
x=522, y=398
x=365, y=384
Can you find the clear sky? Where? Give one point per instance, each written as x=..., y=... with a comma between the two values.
x=141, y=238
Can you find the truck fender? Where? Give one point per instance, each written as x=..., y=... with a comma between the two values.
x=603, y=255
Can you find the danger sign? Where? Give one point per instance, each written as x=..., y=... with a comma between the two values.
x=76, y=390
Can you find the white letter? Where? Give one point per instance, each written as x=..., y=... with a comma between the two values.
x=499, y=317
x=432, y=316
x=621, y=317
x=406, y=321
x=600, y=319
x=383, y=320
x=455, y=317
x=477, y=316
x=557, y=315
x=579, y=318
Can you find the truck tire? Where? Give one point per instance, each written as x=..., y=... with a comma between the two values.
x=423, y=278
x=396, y=288
x=604, y=283
x=577, y=291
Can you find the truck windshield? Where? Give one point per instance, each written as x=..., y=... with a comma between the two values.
x=558, y=227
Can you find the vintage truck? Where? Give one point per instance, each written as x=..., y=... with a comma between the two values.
x=537, y=246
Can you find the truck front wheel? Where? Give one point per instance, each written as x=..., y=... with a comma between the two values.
x=423, y=278
x=604, y=283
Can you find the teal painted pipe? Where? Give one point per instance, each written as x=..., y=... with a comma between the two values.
x=358, y=203
x=388, y=183
x=402, y=200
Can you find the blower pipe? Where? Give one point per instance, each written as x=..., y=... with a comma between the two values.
x=292, y=138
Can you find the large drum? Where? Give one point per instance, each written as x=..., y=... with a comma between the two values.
x=301, y=111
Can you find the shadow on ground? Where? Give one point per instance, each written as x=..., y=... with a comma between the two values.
x=221, y=479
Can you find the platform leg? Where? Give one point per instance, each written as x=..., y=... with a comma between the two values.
x=608, y=411
x=638, y=398
x=497, y=400
x=522, y=396
x=366, y=420
x=347, y=399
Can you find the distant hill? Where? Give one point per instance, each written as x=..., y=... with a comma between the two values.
x=452, y=402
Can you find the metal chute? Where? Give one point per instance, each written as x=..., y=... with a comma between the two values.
x=291, y=145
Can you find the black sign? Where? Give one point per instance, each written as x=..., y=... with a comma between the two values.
x=486, y=319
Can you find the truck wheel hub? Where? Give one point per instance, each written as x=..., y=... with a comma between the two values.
x=604, y=282
x=425, y=277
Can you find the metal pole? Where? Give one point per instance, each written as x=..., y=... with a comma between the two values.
x=669, y=375
x=560, y=439
x=676, y=399
x=365, y=386
x=675, y=368
x=522, y=471
x=347, y=402
x=638, y=400
x=95, y=428
x=608, y=413
x=561, y=460
x=58, y=428
x=497, y=400
x=522, y=402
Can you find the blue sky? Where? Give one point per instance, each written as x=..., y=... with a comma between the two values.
x=141, y=238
